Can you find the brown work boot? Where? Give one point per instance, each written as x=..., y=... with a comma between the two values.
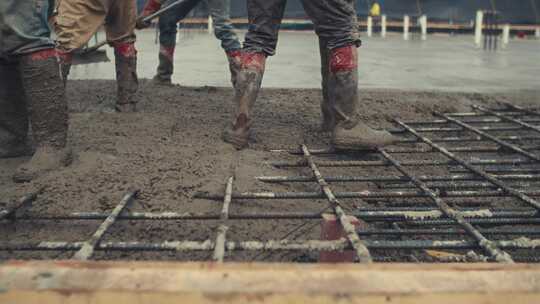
x=13, y=113
x=328, y=122
x=126, y=77
x=234, y=58
x=247, y=87
x=44, y=90
x=165, y=68
x=350, y=133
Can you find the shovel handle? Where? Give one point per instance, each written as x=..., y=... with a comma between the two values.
x=169, y=7
x=94, y=47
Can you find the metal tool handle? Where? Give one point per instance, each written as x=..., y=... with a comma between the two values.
x=191, y=4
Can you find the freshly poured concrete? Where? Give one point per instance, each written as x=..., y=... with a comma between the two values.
x=440, y=63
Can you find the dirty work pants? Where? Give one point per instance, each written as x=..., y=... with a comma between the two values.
x=78, y=20
x=23, y=27
x=23, y=30
x=220, y=13
x=334, y=21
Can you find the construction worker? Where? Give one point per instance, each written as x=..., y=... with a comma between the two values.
x=336, y=26
x=31, y=90
x=78, y=20
x=168, y=24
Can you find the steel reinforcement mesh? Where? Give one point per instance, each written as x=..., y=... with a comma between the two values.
x=462, y=188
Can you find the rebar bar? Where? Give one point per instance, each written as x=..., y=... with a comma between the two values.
x=362, y=252
x=87, y=248
x=271, y=245
x=492, y=138
x=219, y=250
x=524, y=197
x=510, y=119
x=367, y=194
x=488, y=246
x=394, y=179
x=521, y=110
x=376, y=163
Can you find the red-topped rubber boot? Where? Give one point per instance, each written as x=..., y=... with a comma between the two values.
x=248, y=83
x=126, y=77
x=47, y=106
x=165, y=68
x=350, y=133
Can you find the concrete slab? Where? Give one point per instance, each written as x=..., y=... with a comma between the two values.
x=440, y=63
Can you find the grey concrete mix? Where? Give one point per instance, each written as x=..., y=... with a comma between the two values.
x=445, y=63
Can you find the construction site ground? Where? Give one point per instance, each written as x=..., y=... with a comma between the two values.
x=172, y=149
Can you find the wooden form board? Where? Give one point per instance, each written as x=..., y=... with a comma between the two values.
x=168, y=282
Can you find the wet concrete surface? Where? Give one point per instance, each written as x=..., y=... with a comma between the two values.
x=441, y=63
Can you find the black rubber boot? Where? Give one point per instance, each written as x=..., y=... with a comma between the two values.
x=165, y=67
x=247, y=88
x=44, y=90
x=126, y=77
x=13, y=114
x=350, y=133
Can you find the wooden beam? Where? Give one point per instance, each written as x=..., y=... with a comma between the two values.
x=168, y=282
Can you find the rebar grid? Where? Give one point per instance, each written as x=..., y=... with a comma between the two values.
x=431, y=212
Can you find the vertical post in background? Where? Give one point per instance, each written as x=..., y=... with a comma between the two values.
x=506, y=35
x=383, y=26
x=423, y=24
x=369, y=26
x=478, y=29
x=537, y=33
x=210, y=25
x=406, y=25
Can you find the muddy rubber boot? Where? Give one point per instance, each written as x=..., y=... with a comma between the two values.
x=13, y=114
x=165, y=68
x=44, y=90
x=350, y=133
x=234, y=58
x=126, y=77
x=328, y=115
x=248, y=83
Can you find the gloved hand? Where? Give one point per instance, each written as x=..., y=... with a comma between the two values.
x=150, y=7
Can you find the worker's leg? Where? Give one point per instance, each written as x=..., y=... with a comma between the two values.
x=264, y=21
x=13, y=114
x=223, y=29
x=23, y=31
x=120, y=29
x=32, y=86
x=77, y=21
x=44, y=90
x=168, y=28
x=335, y=22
